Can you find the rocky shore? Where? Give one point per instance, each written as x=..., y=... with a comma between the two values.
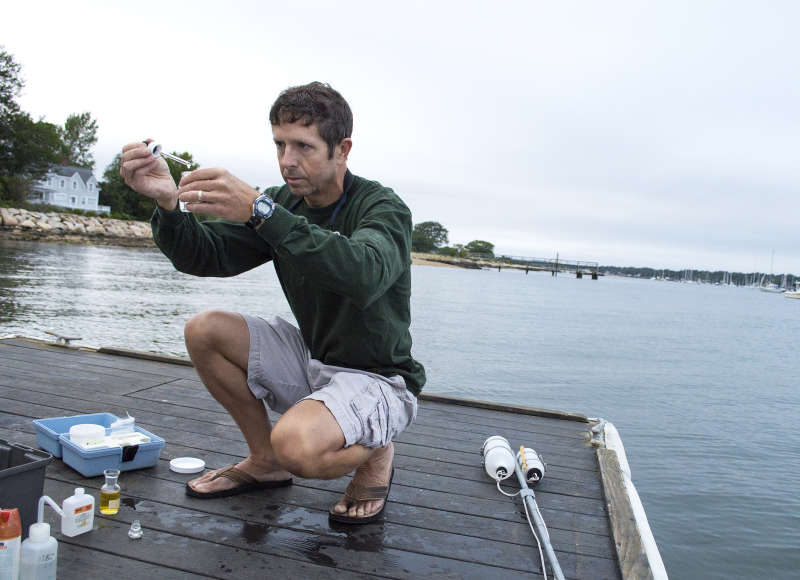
x=22, y=224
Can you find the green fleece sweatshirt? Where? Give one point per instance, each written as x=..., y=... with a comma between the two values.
x=349, y=285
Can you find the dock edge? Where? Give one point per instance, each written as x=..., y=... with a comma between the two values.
x=637, y=551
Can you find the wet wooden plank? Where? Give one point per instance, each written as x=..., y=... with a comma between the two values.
x=120, y=382
x=80, y=562
x=496, y=519
x=503, y=407
x=167, y=508
x=163, y=549
x=490, y=418
x=23, y=349
x=444, y=519
x=220, y=417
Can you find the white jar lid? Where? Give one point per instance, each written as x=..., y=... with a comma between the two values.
x=85, y=432
x=187, y=465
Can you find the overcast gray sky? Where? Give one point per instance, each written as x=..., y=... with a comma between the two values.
x=632, y=133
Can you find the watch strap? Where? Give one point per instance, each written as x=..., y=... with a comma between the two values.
x=253, y=222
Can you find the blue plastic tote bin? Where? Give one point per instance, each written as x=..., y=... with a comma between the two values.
x=91, y=462
x=48, y=430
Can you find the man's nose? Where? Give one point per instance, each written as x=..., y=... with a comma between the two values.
x=288, y=158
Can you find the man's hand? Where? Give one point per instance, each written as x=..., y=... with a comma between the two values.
x=216, y=192
x=148, y=174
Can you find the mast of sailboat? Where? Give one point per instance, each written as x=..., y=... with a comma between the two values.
x=771, y=260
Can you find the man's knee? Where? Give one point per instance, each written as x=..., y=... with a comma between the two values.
x=303, y=438
x=199, y=329
x=211, y=329
x=294, y=448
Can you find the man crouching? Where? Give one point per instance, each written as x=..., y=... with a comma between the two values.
x=345, y=380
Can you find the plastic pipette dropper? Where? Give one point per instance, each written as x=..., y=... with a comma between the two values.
x=156, y=150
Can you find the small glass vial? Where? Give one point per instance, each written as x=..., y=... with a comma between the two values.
x=182, y=204
x=110, y=493
x=136, y=530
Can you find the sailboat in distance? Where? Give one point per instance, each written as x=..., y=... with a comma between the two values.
x=769, y=286
x=793, y=293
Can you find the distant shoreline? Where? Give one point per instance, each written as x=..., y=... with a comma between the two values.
x=24, y=225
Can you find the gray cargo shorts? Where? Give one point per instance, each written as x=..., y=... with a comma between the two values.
x=371, y=409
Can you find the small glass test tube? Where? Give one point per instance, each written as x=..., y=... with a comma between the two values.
x=156, y=149
x=182, y=204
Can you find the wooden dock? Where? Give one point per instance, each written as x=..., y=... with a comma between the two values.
x=445, y=518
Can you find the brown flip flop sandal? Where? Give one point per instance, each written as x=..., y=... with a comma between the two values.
x=245, y=481
x=356, y=492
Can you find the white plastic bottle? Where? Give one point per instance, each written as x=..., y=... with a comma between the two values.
x=78, y=513
x=39, y=556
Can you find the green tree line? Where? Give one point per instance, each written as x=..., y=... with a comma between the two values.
x=30, y=147
x=432, y=237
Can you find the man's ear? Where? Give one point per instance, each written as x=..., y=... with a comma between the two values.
x=343, y=148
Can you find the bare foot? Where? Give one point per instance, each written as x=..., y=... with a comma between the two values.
x=377, y=470
x=259, y=471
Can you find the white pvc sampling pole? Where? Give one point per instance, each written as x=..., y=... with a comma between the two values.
x=530, y=500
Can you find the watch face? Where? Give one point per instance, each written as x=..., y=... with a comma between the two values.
x=263, y=207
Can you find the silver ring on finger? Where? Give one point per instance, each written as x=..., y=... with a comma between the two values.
x=199, y=196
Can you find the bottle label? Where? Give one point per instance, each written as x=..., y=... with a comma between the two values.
x=9, y=558
x=41, y=566
x=82, y=517
x=82, y=520
x=113, y=504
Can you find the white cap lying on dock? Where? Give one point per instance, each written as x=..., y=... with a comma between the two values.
x=187, y=465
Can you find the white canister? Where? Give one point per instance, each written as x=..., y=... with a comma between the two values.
x=86, y=433
x=39, y=556
x=78, y=516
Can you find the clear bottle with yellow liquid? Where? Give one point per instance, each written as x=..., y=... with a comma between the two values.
x=110, y=493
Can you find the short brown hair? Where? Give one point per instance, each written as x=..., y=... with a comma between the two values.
x=315, y=103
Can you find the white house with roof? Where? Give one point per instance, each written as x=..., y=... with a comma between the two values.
x=68, y=186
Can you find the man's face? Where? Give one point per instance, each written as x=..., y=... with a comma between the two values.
x=303, y=160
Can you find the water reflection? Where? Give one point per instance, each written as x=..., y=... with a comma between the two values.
x=114, y=296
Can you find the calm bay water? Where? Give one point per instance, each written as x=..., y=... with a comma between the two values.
x=701, y=381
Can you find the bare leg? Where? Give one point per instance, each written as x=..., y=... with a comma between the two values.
x=375, y=471
x=308, y=442
x=219, y=345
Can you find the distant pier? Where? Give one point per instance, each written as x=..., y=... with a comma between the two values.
x=555, y=265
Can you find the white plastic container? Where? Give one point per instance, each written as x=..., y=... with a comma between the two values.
x=39, y=554
x=86, y=434
x=122, y=426
x=498, y=459
x=533, y=466
x=78, y=515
